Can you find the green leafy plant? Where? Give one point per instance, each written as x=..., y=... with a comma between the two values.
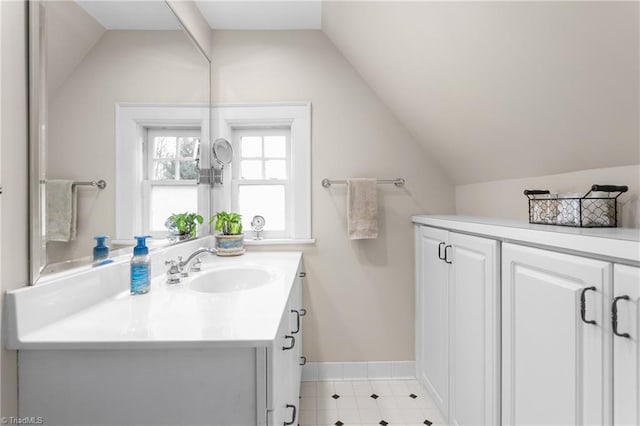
x=184, y=223
x=227, y=223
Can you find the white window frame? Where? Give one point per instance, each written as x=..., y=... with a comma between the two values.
x=148, y=183
x=132, y=120
x=297, y=117
x=289, y=211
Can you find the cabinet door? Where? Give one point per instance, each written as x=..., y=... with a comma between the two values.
x=431, y=313
x=553, y=365
x=626, y=355
x=473, y=331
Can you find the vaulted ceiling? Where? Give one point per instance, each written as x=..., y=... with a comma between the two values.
x=497, y=90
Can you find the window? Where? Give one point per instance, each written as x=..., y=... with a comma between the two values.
x=261, y=180
x=271, y=171
x=170, y=181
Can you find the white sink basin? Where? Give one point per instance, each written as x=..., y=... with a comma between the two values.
x=232, y=279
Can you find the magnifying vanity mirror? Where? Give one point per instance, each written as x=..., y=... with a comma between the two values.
x=91, y=64
x=223, y=154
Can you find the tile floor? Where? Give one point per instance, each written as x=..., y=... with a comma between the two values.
x=370, y=403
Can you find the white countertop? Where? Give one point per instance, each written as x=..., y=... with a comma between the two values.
x=171, y=316
x=614, y=244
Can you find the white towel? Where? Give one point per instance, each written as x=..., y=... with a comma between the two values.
x=61, y=210
x=362, y=209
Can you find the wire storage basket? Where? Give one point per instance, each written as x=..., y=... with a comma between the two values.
x=598, y=208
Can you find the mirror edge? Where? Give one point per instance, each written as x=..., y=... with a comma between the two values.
x=36, y=98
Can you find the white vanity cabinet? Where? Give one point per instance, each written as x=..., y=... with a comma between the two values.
x=561, y=309
x=174, y=356
x=554, y=337
x=456, y=323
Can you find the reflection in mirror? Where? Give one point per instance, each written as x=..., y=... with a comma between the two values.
x=96, y=57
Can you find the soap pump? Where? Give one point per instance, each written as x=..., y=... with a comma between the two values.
x=140, y=267
x=101, y=251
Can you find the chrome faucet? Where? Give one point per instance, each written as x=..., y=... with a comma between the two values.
x=184, y=266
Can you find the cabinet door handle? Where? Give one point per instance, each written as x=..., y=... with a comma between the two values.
x=297, y=321
x=583, y=305
x=446, y=254
x=293, y=415
x=303, y=360
x=440, y=250
x=614, y=316
x=303, y=312
x=293, y=343
x=302, y=274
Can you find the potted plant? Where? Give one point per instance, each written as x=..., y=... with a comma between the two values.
x=182, y=226
x=229, y=239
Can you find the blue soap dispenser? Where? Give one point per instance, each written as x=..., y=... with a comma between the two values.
x=100, y=251
x=140, y=267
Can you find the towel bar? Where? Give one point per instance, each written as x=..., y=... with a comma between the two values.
x=100, y=184
x=397, y=182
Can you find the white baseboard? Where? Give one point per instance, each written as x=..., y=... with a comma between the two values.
x=374, y=370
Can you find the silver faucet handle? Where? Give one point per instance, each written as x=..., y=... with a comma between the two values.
x=173, y=273
x=197, y=264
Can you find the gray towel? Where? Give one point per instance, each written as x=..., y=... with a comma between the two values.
x=362, y=209
x=61, y=210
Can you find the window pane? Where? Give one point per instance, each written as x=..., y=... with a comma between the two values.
x=163, y=170
x=275, y=146
x=188, y=170
x=188, y=147
x=251, y=169
x=166, y=200
x=251, y=146
x=164, y=147
x=267, y=201
x=275, y=169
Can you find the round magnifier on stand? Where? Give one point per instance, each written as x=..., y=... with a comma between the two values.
x=223, y=154
x=257, y=224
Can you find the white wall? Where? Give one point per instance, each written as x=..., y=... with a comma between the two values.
x=359, y=293
x=123, y=66
x=505, y=198
x=70, y=34
x=14, y=177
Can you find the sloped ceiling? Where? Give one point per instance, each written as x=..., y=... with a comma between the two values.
x=499, y=90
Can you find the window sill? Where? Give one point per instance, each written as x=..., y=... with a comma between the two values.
x=279, y=242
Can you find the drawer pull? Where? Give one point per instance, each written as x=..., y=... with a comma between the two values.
x=293, y=343
x=302, y=274
x=297, y=330
x=446, y=254
x=293, y=415
x=440, y=250
x=583, y=305
x=303, y=360
x=303, y=312
x=614, y=316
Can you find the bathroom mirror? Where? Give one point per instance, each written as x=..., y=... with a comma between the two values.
x=91, y=62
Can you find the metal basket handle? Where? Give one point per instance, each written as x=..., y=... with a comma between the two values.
x=530, y=193
x=607, y=188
